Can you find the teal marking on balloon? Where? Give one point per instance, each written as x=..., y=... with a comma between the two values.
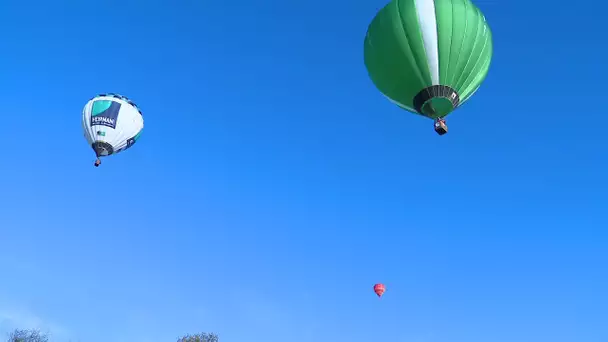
x=100, y=106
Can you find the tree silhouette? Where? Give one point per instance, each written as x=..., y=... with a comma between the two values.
x=202, y=337
x=27, y=335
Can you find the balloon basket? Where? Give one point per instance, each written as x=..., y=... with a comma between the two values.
x=440, y=127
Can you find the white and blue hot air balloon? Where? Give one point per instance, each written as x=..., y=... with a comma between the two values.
x=112, y=123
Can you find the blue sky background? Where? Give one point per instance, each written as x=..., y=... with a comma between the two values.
x=273, y=185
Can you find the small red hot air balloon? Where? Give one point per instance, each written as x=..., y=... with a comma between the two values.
x=379, y=289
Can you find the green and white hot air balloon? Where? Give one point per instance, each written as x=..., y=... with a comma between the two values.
x=111, y=123
x=428, y=56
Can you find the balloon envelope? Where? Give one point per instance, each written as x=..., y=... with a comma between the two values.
x=379, y=289
x=428, y=56
x=112, y=123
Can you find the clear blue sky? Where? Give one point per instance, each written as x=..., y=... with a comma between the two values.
x=273, y=185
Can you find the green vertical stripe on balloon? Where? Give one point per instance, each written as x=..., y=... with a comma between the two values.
x=468, y=32
x=408, y=16
x=465, y=45
x=392, y=63
x=458, y=8
x=480, y=70
x=473, y=42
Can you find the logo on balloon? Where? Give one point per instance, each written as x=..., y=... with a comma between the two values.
x=105, y=113
x=130, y=142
